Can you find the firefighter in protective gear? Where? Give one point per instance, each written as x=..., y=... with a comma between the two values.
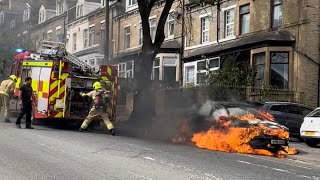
x=6, y=92
x=97, y=110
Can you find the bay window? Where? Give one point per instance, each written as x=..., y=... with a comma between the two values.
x=189, y=75
x=279, y=70
x=259, y=65
x=156, y=69
x=169, y=69
x=197, y=72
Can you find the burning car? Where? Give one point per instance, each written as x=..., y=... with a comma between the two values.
x=234, y=127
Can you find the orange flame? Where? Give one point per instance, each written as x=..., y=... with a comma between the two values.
x=183, y=131
x=224, y=137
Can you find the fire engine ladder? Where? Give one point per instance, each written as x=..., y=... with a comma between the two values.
x=73, y=59
x=51, y=47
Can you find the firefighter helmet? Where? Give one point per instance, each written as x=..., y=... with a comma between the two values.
x=14, y=78
x=97, y=85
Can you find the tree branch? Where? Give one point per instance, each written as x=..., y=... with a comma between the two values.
x=145, y=11
x=162, y=21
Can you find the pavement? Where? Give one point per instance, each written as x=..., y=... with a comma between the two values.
x=48, y=153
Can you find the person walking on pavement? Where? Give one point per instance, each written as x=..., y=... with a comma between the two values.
x=100, y=102
x=26, y=94
x=6, y=92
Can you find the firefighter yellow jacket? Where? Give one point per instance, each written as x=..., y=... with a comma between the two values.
x=7, y=87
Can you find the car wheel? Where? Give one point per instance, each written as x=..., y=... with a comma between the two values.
x=300, y=139
x=312, y=143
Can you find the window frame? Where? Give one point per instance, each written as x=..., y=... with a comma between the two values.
x=153, y=28
x=170, y=26
x=287, y=63
x=91, y=36
x=156, y=67
x=187, y=82
x=140, y=33
x=123, y=69
x=242, y=14
x=274, y=5
x=86, y=37
x=60, y=7
x=59, y=35
x=281, y=105
x=129, y=71
x=49, y=36
x=205, y=71
x=74, y=41
x=127, y=37
x=26, y=14
x=79, y=10
x=131, y=3
x=255, y=64
x=103, y=3
x=12, y=23
x=102, y=30
x=285, y=110
x=226, y=24
x=205, y=31
x=92, y=60
x=42, y=16
x=1, y=17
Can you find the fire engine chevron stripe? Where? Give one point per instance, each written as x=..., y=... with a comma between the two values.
x=59, y=115
x=54, y=85
x=109, y=71
x=104, y=78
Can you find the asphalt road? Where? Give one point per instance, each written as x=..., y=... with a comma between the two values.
x=45, y=153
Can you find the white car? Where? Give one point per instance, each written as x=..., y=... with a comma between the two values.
x=310, y=128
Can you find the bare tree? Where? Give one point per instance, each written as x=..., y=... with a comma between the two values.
x=144, y=106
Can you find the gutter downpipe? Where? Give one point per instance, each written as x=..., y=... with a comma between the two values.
x=182, y=43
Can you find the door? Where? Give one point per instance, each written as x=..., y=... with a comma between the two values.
x=277, y=112
x=312, y=123
x=43, y=89
x=294, y=118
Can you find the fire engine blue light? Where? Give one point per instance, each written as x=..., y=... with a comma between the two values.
x=19, y=50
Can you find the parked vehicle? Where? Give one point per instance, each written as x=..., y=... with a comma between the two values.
x=258, y=105
x=210, y=112
x=310, y=128
x=288, y=114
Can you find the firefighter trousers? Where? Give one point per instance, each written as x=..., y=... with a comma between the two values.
x=97, y=113
x=4, y=106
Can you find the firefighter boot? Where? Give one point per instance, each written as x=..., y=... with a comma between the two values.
x=113, y=132
x=81, y=129
x=18, y=126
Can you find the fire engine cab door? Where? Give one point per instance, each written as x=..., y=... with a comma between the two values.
x=40, y=84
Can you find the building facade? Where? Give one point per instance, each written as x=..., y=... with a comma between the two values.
x=127, y=42
x=280, y=38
